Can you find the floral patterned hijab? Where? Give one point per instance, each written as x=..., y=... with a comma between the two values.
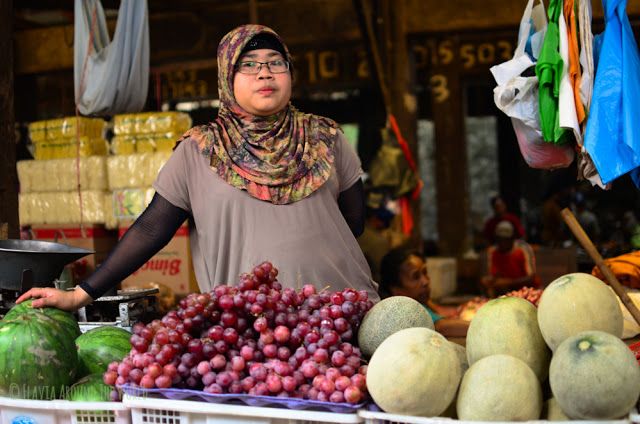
x=280, y=158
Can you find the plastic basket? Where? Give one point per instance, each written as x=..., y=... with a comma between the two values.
x=371, y=417
x=146, y=410
x=23, y=411
x=243, y=399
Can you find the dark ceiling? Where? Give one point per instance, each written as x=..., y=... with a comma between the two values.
x=43, y=13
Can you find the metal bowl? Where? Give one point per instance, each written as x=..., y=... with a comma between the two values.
x=42, y=261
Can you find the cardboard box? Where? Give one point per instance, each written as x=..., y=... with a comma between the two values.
x=91, y=237
x=172, y=266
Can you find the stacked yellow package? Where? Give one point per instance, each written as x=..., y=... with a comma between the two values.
x=68, y=137
x=127, y=204
x=62, y=174
x=148, y=132
x=134, y=171
x=61, y=207
x=130, y=178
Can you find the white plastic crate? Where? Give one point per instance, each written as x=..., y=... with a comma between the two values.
x=146, y=410
x=22, y=411
x=442, y=273
x=384, y=418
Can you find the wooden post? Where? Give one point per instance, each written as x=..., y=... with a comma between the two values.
x=8, y=175
x=452, y=185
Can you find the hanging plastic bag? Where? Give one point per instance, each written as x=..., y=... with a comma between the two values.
x=390, y=168
x=517, y=96
x=111, y=76
x=612, y=137
x=567, y=113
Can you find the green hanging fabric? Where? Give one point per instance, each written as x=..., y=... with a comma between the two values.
x=549, y=73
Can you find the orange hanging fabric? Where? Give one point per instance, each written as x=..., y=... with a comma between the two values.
x=574, y=57
x=404, y=146
x=405, y=207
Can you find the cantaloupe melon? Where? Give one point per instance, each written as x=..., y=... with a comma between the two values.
x=389, y=316
x=577, y=302
x=461, y=352
x=594, y=376
x=553, y=412
x=499, y=388
x=508, y=325
x=414, y=371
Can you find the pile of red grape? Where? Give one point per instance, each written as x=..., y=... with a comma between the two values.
x=253, y=338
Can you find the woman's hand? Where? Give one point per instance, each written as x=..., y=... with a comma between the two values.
x=48, y=296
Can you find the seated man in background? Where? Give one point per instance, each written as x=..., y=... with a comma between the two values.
x=501, y=213
x=511, y=263
x=404, y=273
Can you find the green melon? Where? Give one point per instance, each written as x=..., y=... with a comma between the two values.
x=499, y=388
x=414, y=371
x=100, y=346
x=508, y=325
x=90, y=388
x=578, y=302
x=37, y=358
x=65, y=318
x=595, y=376
x=389, y=316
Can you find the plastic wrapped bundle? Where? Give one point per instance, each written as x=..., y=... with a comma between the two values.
x=132, y=171
x=127, y=204
x=68, y=148
x=61, y=174
x=148, y=143
x=61, y=207
x=151, y=123
x=123, y=145
x=65, y=128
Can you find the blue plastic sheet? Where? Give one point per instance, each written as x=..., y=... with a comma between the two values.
x=635, y=177
x=613, y=129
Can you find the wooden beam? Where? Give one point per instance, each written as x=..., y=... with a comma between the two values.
x=194, y=34
x=8, y=175
x=466, y=15
x=253, y=11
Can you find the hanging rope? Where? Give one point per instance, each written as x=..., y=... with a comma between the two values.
x=79, y=96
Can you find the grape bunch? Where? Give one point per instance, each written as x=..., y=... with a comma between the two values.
x=253, y=338
x=527, y=293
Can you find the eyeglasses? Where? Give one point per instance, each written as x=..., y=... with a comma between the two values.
x=252, y=67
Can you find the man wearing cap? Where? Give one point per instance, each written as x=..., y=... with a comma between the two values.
x=511, y=262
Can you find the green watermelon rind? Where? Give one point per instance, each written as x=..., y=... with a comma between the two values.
x=98, y=347
x=65, y=318
x=36, y=360
x=90, y=388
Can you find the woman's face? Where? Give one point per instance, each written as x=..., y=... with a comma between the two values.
x=414, y=280
x=264, y=93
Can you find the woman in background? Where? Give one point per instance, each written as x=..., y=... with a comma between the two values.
x=404, y=273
